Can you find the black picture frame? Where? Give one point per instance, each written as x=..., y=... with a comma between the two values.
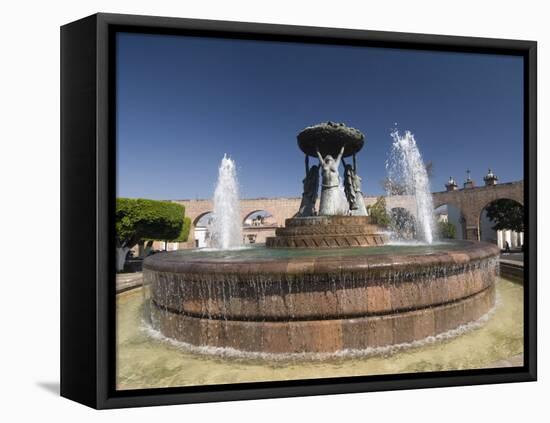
x=87, y=211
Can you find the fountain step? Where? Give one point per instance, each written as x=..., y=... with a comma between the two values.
x=327, y=232
x=326, y=241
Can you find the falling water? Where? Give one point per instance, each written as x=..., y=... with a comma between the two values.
x=407, y=170
x=342, y=205
x=226, y=229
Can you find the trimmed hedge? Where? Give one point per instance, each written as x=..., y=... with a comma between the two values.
x=140, y=219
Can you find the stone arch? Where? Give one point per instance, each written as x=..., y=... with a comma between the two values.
x=487, y=234
x=200, y=216
x=280, y=208
x=258, y=224
x=199, y=234
x=487, y=203
x=472, y=201
x=448, y=202
x=259, y=212
x=479, y=203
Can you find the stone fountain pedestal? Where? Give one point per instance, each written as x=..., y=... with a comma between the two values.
x=327, y=232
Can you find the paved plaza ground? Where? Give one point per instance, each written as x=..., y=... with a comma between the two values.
x=512, y=256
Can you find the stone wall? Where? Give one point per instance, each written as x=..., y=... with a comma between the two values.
x=470, y=201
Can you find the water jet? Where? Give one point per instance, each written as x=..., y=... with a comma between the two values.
x=225, y=229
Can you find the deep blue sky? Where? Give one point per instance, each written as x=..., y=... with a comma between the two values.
x=182, y=102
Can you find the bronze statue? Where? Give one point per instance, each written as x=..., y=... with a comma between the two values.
x=331, y=196
x=349, y=189
x=310, y=194
x=352, y=189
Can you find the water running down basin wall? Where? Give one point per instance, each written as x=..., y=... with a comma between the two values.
x=319, y=303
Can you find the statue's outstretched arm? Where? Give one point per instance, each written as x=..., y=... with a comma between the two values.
x=340, y=156
x=319, y=156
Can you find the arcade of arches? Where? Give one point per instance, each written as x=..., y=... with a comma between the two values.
x=261, y=216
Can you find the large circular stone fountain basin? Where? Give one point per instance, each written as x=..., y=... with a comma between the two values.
x=285, y=301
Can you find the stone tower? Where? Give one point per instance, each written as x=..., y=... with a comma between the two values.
x=469, y=182
x=451, y=185
x=490, y=179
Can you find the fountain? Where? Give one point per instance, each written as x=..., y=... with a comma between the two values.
x=407, y=170
x=226, y=229
x=327, y=283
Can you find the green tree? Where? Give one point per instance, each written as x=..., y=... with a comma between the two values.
x=506, y=214
x=184, y=233
x=139, y=219
x=447, y=230
x=378, y=213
